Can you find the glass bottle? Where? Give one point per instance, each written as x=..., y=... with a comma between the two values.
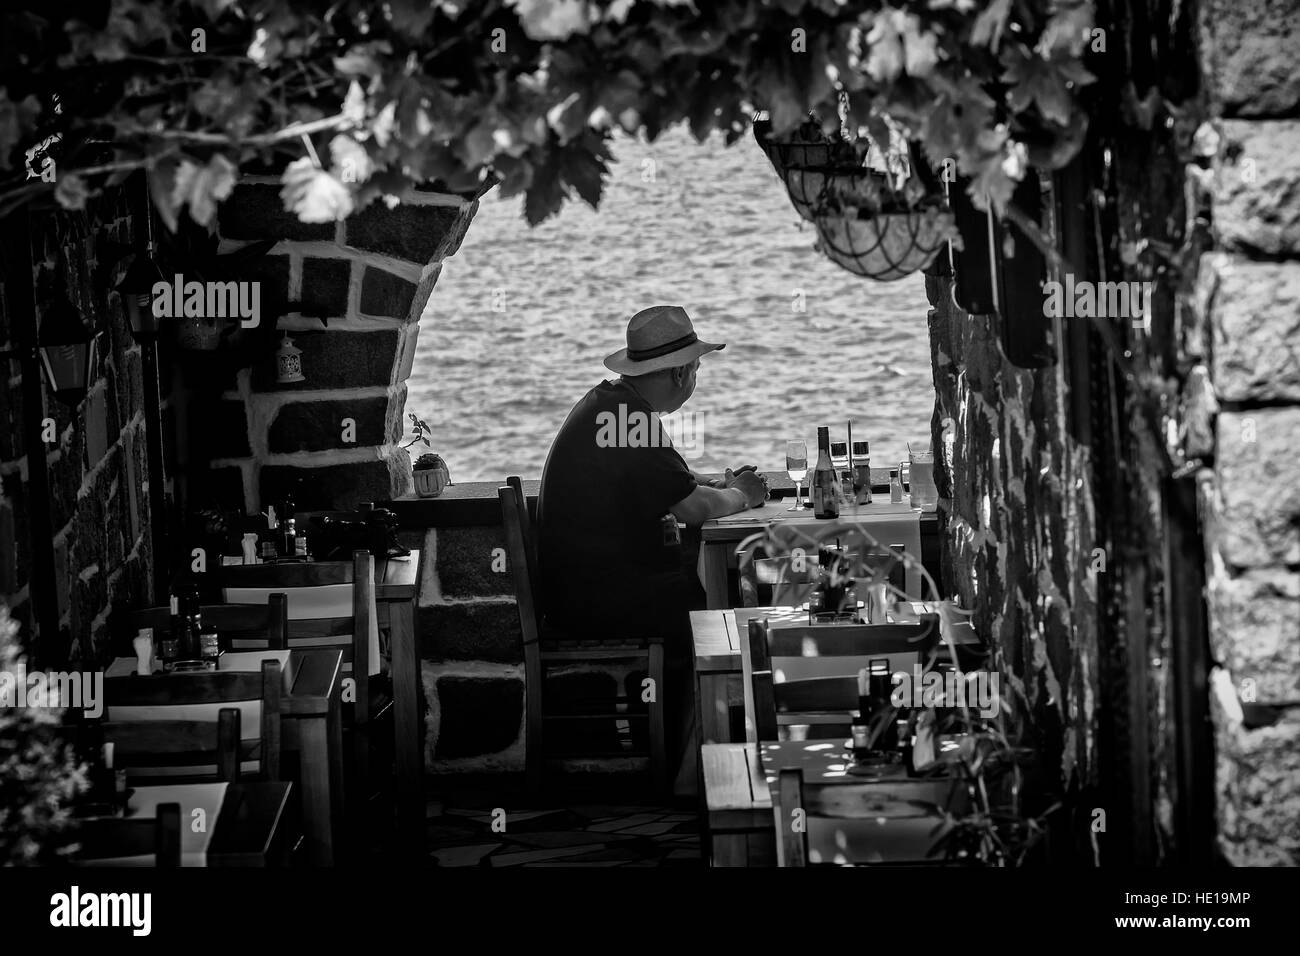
x=825, y=485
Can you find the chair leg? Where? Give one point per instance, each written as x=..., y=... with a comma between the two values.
x=656, y=708
x=359, y=797
x=534, y=754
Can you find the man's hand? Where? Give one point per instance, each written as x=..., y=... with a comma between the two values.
x=722, y=482
x=748, y=481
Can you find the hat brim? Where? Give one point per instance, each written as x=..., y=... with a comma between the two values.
x=619, y=362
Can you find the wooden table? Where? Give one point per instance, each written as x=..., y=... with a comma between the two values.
x=719, y=537
x=718, y=635
x=739, y=779
x=397, y=583
x=311, y=724
x=247, y=824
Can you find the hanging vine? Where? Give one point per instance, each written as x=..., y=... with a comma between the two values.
x=527, y=92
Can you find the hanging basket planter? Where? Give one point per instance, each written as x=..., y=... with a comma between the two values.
x=877, y=212
x=885, y=246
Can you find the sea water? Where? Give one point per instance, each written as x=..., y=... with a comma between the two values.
x=520, y=319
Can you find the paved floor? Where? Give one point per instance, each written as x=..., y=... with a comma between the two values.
x=585, y=828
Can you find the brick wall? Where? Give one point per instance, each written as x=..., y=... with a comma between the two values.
x=370, y=279
x=100, y=511
x=1248, y=307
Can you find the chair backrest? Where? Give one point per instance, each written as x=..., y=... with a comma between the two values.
x=804, y=678
x=108, y=841
x=529, y=529
x=188, y=723
x=239, y=625
x=522, y=569
x=330, y=604
x=854, y=824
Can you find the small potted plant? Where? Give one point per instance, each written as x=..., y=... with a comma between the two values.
x=429, y=470
x=430, y=473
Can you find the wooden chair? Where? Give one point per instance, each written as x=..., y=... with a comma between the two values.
x=856, y=824
x=182, y=725
x=819, y=665
x=106, y=841
x=259, y=626
x=332, y=604
x=550, y=646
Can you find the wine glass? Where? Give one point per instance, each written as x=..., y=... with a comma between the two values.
x=796, y=466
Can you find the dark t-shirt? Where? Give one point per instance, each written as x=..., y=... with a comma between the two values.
x=604, y=520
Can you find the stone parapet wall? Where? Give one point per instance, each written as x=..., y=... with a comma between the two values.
x=1248, y=306
x=471, y=647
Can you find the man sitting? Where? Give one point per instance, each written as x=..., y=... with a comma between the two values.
x=614, y=491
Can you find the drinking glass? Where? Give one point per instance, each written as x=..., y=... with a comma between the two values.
x=796, y=466
x=925, y=496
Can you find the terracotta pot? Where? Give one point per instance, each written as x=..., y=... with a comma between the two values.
x=430, y=482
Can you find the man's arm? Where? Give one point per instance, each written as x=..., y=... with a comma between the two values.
x=704, y=503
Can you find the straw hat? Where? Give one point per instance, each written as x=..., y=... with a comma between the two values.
x=657, y=338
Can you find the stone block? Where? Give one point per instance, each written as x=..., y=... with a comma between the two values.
x=479, y=715
x=482, y=631
x=225, y=428
x=324, y=425
x=1254, y=309
x=465, y=563
x=338, y=487
x=1257, y=187
x=1259, y=485
x=130, y=392
x=65, y=479
x=325, y=286
x=336, y=359
x=1248, y=56
x=89, y=598
x=254, y=211
x=1255, y=631
x=272, y=272
x=383, y=293
x=418, y=234
x=1259, y=804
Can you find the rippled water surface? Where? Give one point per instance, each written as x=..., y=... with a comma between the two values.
x=521, y=318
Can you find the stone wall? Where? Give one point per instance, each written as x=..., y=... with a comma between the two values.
x=99, y=507
x=1017, y=540
x=472, y=661
x=350, y=295
x=1248, y=307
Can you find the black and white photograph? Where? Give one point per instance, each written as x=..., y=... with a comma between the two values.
x=853, y=435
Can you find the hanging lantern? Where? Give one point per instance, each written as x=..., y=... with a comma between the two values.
x=288, y=363
x=136, y=290
x=876, y=212
x=67, y=351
